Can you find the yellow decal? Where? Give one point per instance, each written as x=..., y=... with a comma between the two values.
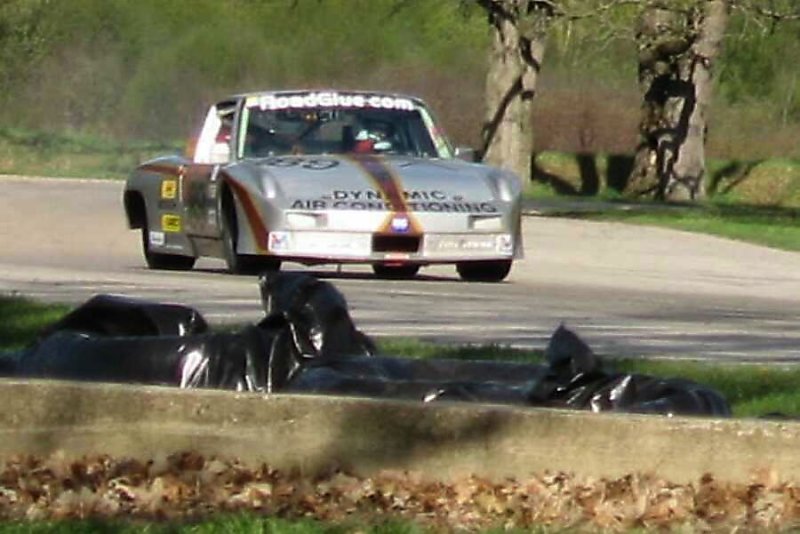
x=169, y=189
x=171, y=223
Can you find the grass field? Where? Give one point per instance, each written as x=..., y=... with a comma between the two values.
x=770, y=226
x=35, y=153
x=22, y=319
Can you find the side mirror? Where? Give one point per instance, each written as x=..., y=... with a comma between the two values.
x=466, y=153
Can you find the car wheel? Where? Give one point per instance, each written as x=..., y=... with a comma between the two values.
x=241, y=263
x=166, y=262
x=395, y=271
x=484, y=271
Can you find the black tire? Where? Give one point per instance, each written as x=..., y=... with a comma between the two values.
x=164, y=262
x=396, y=272
x=241, y=263
x=484, y=271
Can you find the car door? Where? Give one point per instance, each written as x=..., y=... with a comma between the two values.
x=199, y=180
x=199, y=187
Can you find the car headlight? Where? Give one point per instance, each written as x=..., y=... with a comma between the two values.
x=505, y=186
x=510, y=186
x=300, y=221
x=485, y=222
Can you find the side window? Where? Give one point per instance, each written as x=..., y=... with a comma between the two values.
x=221, y=149
x=441, y=146
x=215, y=138
x=420, y=135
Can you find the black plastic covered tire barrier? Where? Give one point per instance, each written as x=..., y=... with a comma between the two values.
x=307, y=342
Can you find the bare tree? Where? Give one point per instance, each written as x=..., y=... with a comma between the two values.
x=678, y=43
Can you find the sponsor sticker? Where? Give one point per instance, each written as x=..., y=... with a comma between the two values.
x=380, y=204
x=156, y=238
x=329, y=99
x=169, y=189
x=171, y=223
x=505, y=243
x=278, y=241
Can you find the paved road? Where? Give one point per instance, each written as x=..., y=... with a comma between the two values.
x=626, y=290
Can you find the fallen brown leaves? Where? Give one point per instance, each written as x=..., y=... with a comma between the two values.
x=188, y=486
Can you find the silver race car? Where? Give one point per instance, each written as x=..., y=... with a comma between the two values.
x=326, y=177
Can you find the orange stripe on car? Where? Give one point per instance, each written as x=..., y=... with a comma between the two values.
x=163, y=168
x=390, y=187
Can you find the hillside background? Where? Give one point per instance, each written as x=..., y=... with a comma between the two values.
x=129, y=70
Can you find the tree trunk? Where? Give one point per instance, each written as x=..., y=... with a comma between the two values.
x=518, y=31
x=676, y=54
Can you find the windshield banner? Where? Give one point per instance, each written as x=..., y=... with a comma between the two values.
x=329, y=100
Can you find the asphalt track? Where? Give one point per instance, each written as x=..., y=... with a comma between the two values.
x=628, y=291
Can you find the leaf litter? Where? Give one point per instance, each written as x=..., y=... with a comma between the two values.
x=190, y=487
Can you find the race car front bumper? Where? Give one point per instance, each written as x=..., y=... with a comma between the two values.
x=372, y=247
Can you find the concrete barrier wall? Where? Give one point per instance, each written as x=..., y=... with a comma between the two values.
x=442, y=441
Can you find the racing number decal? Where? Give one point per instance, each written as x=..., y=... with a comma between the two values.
x=169, y=189
x=171, y=222
x=313, y=164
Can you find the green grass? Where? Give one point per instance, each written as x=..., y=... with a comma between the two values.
x=73, y=154
x=761, y=225
x=754, y=201
x=21, y=319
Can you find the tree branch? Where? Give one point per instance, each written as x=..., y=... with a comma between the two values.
x=771, y=13
x=499, y=8
x=495, y=8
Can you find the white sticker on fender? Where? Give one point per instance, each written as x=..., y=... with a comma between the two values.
x=156, y=238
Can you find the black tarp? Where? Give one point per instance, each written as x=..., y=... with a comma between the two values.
x=116, y=315
x=308, y=343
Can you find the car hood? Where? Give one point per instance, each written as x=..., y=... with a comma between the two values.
x=372, y=178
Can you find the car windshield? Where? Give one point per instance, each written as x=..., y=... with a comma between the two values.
x=339, y=130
